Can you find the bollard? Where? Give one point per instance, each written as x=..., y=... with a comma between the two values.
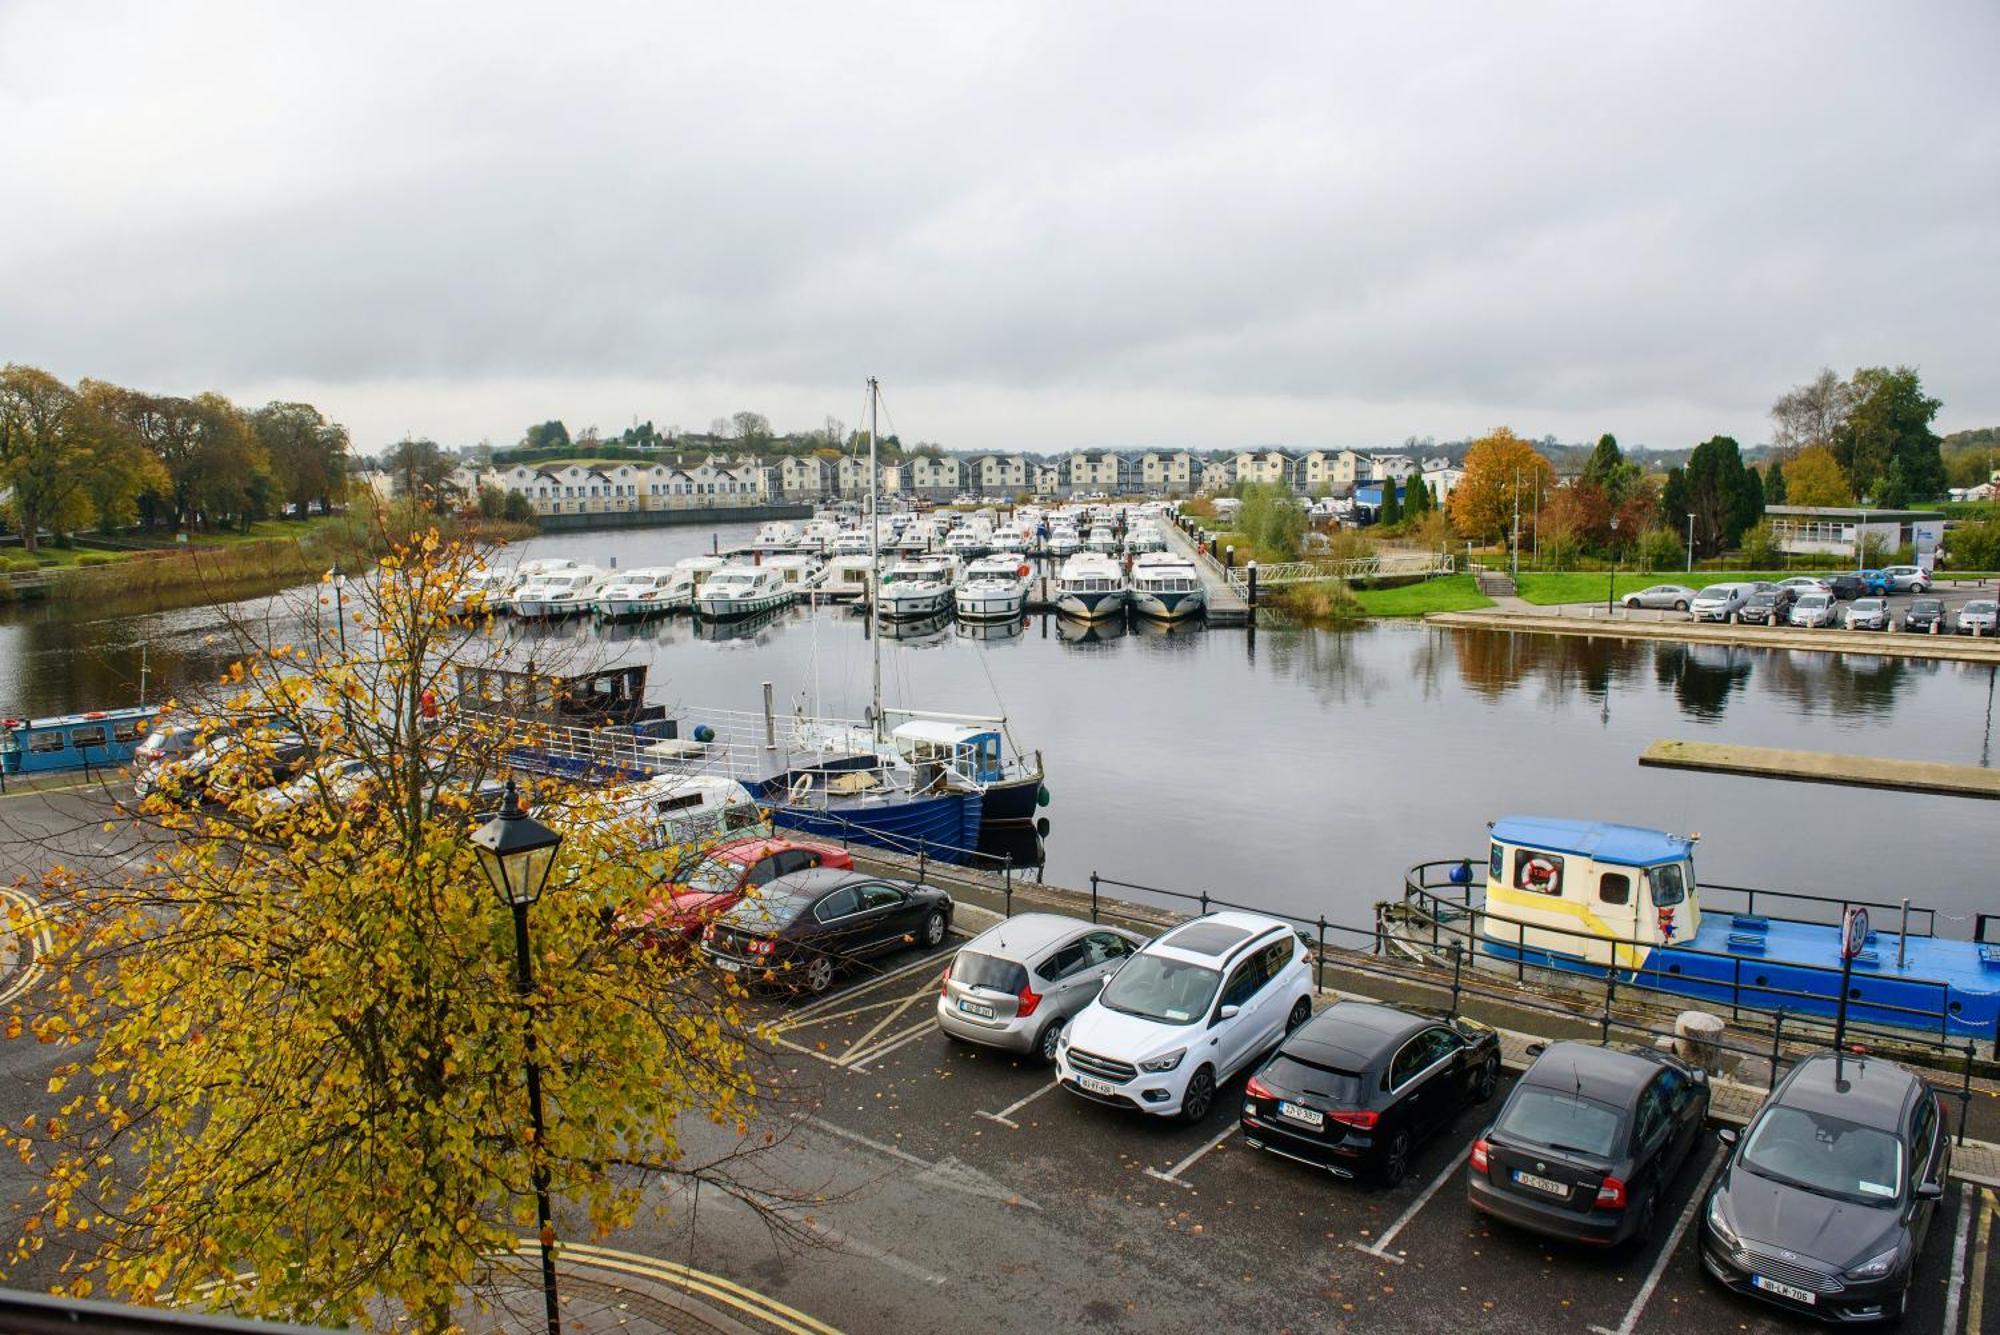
x=1253, y=585
x=1229, y=557
x=1698, y=1039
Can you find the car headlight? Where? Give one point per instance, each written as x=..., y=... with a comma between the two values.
x=1719, y=1222
x=1877, y=1267
x=1166, y=1062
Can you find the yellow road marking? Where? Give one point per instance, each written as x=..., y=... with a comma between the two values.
x=39, y=936
x=759, y=1305
x=1975, y=1299
x=62, y=788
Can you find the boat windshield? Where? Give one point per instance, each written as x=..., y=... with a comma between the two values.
x=1825, y=1154
x=1156, y=988
x=1669, y=885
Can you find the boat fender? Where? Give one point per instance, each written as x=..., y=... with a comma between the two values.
x=703, y=733
x=1042, y=827
x=1042, y=795
x=95, y=714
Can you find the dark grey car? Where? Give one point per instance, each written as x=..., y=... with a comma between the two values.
x=1016, y=985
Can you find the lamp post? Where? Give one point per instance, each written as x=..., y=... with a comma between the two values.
x=339, y=608
x=516, y=852
x=1611, y=580
x=1861, y=538
x=1690, y=542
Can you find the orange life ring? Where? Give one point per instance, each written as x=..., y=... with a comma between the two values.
x=1541, y=874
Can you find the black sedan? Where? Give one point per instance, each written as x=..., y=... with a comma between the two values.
x=1828, y=1193
x=1588, y=1144
x=800, y=930
x=1358, y=1087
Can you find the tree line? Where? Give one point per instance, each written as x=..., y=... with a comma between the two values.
x=101, y=456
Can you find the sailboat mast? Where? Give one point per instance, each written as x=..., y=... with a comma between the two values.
x=874, y=548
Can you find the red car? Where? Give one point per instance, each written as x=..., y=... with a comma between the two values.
x=688, y=903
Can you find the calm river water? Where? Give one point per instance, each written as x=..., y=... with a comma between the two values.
x=1301, y=769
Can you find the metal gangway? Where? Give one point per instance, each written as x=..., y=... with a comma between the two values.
x=1383, y=565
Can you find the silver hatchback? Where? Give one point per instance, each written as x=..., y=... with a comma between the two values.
x=1016, y=985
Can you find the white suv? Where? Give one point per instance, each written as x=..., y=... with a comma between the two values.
x=1182, y=1016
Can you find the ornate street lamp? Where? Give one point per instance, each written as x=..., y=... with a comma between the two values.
x=516, y=852
x=1611, y=581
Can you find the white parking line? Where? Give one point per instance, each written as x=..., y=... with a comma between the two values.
x=921, y=994
x=1173, y=1174
x=1956, y=1291
x=1380, y=1247
x=835, y=998
x=1660, y=1262
x=1005, y=1115
x=883, y=1049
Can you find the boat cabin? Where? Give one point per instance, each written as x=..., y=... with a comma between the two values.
x=973, y=752
x=586, y=699
x=1590, y=890
x=73, y=741
x=683, y=809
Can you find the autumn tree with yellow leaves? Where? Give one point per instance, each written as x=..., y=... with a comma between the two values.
x=1501, y=470
x=297, y=1086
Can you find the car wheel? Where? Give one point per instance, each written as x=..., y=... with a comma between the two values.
x=1487, y=1080
x=1200, y=1096
x=1302, y=1010
x=1396, y=1160
x=1649, y=1211
x=934, y=930
x=1681, y=606
x=819, y=974
x=1045, y=1046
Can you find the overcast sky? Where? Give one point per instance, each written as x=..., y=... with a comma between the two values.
x=1041, y=226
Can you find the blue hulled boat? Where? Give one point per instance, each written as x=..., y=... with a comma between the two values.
x=1593, y=898
x=73, y=741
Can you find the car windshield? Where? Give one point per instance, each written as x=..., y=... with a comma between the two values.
x=1156, y=988
x=1717, y=591
x=713, y=876
x=1825, y=1154
x=1926, y=604
x=1868, y=604
x=1561, y=1121
x=1763, y=599
x=772, y=906
x=1980, y=608
x=1813, y=600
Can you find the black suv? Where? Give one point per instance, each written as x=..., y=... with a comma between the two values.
x=1926, y=616
x=1845, y=588
x=1768, y=607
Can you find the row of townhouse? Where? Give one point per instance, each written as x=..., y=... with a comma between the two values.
x=613, y=488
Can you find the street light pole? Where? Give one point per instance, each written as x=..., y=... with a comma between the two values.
x=1611, y=580
x=516, y=852
x=1690, y=542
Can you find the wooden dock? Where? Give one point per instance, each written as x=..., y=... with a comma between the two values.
x=1768, y=762
x=1225, y=605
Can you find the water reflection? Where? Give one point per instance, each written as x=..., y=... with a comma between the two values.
x=744, y=628
x=1082, y=634
x=1702, y=675
x=992, y=631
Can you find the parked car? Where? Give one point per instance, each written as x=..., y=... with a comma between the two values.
x=1868, y=614
x=1720, y=602
x=1587, y=1145
x=1015, y=986
x=1926, y=615
x=1814, y=609
x=1186, y=1013
x=1826, y=1196
x=1670, y=597
x=1361, y=1085
x=1845, y=587
x=1908, y=579
x=166, y=744
x=712, y=883
x=1979, y=617
x=230, y=765
x=1876, y=582
x=1768, y=607
x=1801, y=585
x=800, y=930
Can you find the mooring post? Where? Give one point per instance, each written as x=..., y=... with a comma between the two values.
x=1253, y=586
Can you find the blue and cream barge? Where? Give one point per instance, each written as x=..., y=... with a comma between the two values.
x=1598, y=899
x=73, y=741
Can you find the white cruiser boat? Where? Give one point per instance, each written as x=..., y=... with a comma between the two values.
x=916, y=588
x=637, y=593
x=1143, y=537
x=969, y=541
x=851, y=542
x=995, y=588
x=802, y=573
x=776, y=536
x=560, y=593
x=742, y=591
x=819, y=534
x=1063, y=540
x=481, y=591
x=1090, y=587
x=847, y=578
x=1166, y=587
x=1102, y=539
x=917, y=538
x=527, y=573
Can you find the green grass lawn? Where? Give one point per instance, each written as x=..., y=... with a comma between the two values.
x=1453, y=593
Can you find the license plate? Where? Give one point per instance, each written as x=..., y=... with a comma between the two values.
x=1096, y=1086
x=1307, y=1115
x=978, y=1008
x=1540, y=1183
x=727, y=966
x=1797, y=1295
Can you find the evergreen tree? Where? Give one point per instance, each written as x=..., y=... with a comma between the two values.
x=1392, y=512
x=1418, y=499
x=1774, y=483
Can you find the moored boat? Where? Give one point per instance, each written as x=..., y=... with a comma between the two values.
x=1594, y=898
x=73, y=741
x=916, y=588
x=1090, y=587
x=742, y=591
x=995, y=588
x=641, y=592
x=1166, y=587
x=558, y=593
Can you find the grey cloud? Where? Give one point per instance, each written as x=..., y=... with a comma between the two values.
x=1120, y=223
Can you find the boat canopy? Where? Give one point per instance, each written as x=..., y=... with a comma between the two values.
x=1600, y=841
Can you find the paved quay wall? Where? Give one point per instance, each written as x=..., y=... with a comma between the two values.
x=1878, y=644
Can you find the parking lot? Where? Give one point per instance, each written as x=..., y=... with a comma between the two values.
x=1139, y=1208
x=1955, y=596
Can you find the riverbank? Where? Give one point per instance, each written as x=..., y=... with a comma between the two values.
x=1599, y=625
